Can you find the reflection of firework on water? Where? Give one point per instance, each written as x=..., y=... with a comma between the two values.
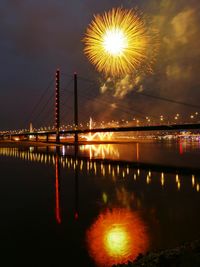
x=116, y=236
x=124, y=197
x=118, y=42
x=101, y=151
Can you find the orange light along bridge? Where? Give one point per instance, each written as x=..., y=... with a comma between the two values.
x=57, y=134
x=35, y=135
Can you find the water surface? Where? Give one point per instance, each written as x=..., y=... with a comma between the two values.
x=58, y=207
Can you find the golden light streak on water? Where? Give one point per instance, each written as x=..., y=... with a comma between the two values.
x=88, y=165
x=162, y=179
x=102, y=151
x=193, y=180
x=109, y=169
x=104, y=172
x=95, y=168
x=81, y=166
x=117, y=169
x=127, y=170
x=113, y=174
x=197, y=187
x=148, y=179
x=177, y=178
x=117, y=236
x=178, y=185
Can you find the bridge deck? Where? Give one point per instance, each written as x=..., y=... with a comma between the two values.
x=171, y=127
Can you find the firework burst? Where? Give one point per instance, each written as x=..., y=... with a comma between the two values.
x=117, y=42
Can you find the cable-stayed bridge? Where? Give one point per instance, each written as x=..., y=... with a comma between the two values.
x=56, y=106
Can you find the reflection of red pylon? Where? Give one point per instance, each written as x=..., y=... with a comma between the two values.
x=137, y=152
x=76, y=215
x=58, y=218
x=180, y=147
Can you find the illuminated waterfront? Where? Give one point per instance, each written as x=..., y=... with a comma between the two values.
x=64, y=200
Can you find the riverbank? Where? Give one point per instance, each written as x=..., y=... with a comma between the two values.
x=80, y=142
x=187, y=255
x=26, y=143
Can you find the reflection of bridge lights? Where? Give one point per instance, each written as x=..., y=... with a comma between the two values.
x=111, y=170
x=116, y=237
x=63, y=150
x=162, y=179
x=193, y=180
x=178, y=185
x=124, y=197
x=178, y=182
x=31, y=148
x=197, y=188
x=148, y=179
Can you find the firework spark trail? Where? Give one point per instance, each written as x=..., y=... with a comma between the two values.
x=116, y=43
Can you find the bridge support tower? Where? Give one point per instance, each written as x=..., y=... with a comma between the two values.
x=75, y=107
x=57, y=106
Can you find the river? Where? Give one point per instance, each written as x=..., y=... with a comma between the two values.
x=96, y=205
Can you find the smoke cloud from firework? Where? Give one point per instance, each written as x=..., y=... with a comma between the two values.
x=122, y=86
x=180, y=46
x=176, y=71
x=178, y=66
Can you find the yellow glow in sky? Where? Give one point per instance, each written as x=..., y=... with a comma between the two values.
x=114, y=42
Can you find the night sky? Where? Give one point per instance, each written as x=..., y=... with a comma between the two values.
x=36, y=37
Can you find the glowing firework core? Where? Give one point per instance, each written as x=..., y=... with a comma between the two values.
x=115, y=42
x=116, y=240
